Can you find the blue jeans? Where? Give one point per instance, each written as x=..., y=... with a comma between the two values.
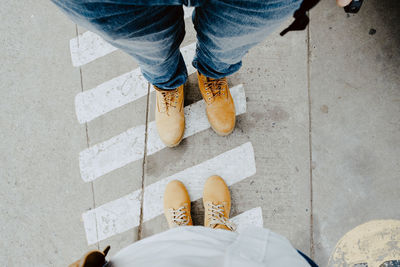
x=152, y=31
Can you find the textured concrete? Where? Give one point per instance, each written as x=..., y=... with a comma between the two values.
x=274, y=75
x=42, y=193
x=355, y=110
x=128, y=178
x=346, y=65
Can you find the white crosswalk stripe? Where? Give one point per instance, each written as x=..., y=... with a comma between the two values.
x=119, y=91
x=123, y=214
x=128, y=146
x=89, y=46
x=250, y=217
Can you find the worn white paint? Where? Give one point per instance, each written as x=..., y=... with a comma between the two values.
x=123, y=214
x=89, y=46
x=128, y=146
x=112, y=154
x=250, y=217
x=119, y=91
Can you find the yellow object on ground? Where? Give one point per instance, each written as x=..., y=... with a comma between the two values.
x=374, y=243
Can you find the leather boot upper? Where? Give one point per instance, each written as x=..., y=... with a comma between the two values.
x=177, y=205
x=170, y=119
x=220, y=107
x=217, y=204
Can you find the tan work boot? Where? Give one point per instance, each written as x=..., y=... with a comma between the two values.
x=217, y=204
x=177, y=205
x=170, y=119
x=220, y=108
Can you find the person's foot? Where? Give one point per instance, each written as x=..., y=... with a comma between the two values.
x=177, y=205
x=217, y=204
x=170, y=119
x=220, y=108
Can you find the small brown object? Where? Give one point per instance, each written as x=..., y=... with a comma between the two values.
x=93, y=258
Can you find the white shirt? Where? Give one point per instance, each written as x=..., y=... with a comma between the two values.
x=197, y=246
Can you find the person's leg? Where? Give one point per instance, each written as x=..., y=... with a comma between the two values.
x=150, y=34
x=227, y=29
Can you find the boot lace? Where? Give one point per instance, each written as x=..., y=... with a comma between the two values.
x=218, y=218
x=169, y=100
x=215, y=87
x=179, y=216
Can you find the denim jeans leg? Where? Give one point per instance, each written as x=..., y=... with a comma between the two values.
x=227, y=29
x=150, y=34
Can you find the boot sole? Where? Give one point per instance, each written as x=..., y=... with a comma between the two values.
x=223, y=134
x=220, y=133
x=177, y=144
x=174, y=145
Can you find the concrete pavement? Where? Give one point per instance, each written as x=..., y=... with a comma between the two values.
x=318, y=135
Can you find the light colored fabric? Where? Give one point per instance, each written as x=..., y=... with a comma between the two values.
x=197, y=246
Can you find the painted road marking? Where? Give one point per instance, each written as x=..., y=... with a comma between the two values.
x=123, y=214
x=251, y=217
x=119, y=91
x=128, y=146
x=89, y=46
